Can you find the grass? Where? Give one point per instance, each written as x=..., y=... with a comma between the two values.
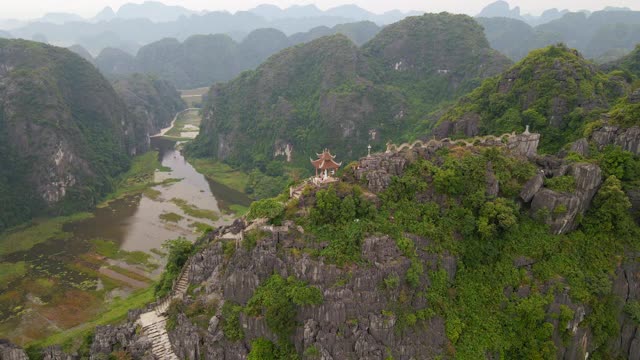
x=140, y=178
x=171, y=217
x=113, y=313
x=222, y=173
x=200, y=227
x=195, y=211
x=10, y=272
x=239, y=210
x=24, y=237
x=130, y=274
x=191, y=117
x=111, y=250
x=152, y=194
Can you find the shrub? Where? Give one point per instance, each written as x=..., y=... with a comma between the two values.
x=266, y=208
x=566, y=184
x=179, y=251
x=231, y=321
x=414, y=272
x=262, y=349
x=392, y=281
x=278, y=298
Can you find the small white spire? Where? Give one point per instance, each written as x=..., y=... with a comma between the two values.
x=526, y=131
x=369, y=150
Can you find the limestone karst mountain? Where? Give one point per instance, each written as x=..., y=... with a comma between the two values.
x=330, y=93
x=64, y=132
x=202, y=60
x=553, y=90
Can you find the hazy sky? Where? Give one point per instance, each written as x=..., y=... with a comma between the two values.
x=88, y=8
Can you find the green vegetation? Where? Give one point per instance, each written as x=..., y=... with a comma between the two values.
x=171, y=217
x=129, y=274
x=10, y=272
x=185, y=123
x=630, y=62
x=179, y=251
x=220, y=172
x=113, y=313
x=152, y=194
x=111, y=250
x=626, y=113
x=486, y=234
x=84, y=137
x=239, y=210
x=263, y=349
x=267, y=208
x=199, y=312
x=555, y=108
x=621, y=164
x=251, y=239
x=566, y=183
x=25, y=237
x=393, y=78
x=139, y=178
x=200, y=227
x=277, y=299
x=231, y=321
x=195, y=211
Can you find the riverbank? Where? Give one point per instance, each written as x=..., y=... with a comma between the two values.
x=184, y=127
x=63, y=276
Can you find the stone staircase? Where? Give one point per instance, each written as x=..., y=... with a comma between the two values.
x=154, y=322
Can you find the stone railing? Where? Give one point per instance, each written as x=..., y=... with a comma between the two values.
x=525, y=143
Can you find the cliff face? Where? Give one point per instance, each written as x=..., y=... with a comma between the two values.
x=64, y=132
x=551, y=276
x=152, y=102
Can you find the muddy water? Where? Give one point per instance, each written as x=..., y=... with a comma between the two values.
x=132, y=222
x=135, y=223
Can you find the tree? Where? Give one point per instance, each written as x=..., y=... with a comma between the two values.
x=610, y=210
x=499, y=214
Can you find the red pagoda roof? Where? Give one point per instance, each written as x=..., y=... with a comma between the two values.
x=325, y=161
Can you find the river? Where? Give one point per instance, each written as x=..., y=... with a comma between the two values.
x=134, y=224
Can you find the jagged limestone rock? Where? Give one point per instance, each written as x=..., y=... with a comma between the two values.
x=532, y=187
x=627, y=139
x=9, y=351
x=563, y=209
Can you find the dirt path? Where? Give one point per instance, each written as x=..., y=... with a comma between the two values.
x=173, y=122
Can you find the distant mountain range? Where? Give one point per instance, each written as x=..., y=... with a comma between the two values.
x=135, y=25
x=202, y=60
x=502, y=8
x=601, y=35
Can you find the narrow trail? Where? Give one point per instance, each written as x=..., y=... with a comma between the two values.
x=173, y=122
x=154, y=322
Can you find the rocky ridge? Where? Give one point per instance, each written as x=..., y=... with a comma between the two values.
x=332, y=93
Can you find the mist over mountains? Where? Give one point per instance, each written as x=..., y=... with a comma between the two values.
x=202, y=60
x=134, y=25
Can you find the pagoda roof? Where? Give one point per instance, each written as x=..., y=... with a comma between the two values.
x=325, y=161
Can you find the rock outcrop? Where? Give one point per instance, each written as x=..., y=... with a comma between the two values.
x=349, y=323
x=628, y=139
x=9, y=351
x=108, y=339
x=562, y=210
x=377, y=170
x=153, y=104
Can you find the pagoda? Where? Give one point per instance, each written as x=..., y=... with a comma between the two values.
x=326, y=165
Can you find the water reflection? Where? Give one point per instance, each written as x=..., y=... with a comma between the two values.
x=135, y=222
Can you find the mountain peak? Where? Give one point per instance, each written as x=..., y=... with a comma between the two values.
x=500, y=8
